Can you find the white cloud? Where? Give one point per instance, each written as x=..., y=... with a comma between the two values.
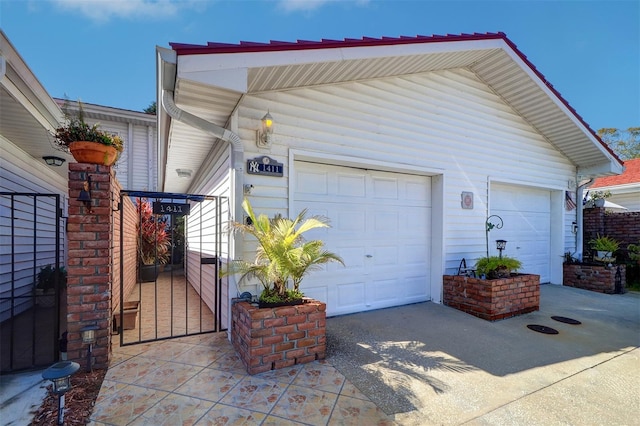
x=104, y=10
x=307, y=5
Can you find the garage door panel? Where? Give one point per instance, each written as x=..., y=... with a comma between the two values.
x=315, y=183
x=415, y=288
x=385, y=188
x=351, y=295
x=351, y=185
x=353, y=257
x=382, y=291
x=416, y=254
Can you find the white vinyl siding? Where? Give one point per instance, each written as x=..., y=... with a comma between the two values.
x=32, y=243
x=217, y=184
x=446, y=120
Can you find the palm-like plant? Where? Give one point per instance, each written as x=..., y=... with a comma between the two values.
x=282, y=255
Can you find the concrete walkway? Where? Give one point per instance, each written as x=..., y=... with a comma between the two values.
x=428, y=364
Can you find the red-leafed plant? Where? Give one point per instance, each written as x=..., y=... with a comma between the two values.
x=153, y=239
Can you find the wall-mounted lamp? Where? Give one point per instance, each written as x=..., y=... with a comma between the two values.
x=501, y=245
x=264, y=136
x=52, y=160
x=89, y=338
x=85, y=194
x=60, y=374
x=574, y=227
x=184, y=173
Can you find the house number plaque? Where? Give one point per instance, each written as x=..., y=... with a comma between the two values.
x=177, y=209
x=265, y=166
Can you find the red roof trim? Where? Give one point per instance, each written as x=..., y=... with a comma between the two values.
x=276, y=46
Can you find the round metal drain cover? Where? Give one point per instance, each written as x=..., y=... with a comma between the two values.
x=566, y=320
x=542, y=329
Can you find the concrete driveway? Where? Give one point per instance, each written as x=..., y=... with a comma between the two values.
x=428, y=364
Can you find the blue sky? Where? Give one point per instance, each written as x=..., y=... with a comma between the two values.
x=103, y=51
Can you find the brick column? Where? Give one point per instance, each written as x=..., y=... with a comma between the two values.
x=89, y=234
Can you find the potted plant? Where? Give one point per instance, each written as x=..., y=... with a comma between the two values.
x=48, y=278
x=282, y=256
x=153, y=241
x=604, y=247
x=597, y=198
x=87, y=143
x=493, y=267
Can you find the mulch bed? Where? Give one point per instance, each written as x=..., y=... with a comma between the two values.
x=78, y=402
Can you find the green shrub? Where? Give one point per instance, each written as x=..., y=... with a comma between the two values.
x=497, y=267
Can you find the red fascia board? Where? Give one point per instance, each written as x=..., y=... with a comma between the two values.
x=275, y=46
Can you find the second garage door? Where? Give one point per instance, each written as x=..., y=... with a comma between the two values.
x=527, y=226
x=381, y=225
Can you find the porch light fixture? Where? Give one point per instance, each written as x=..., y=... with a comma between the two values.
x=501, y=245
x=89, y=337
x=264, y=136
x=60, y=374
x=85, y=193
x=184, y=173
x=52, y=160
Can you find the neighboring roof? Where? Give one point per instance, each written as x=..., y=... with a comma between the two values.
x=211, y=79
x=630, y=175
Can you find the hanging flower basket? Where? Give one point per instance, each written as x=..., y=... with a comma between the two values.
x=93, y=153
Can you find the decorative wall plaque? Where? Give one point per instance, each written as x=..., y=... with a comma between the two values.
x=466, y=200
x=265, y=166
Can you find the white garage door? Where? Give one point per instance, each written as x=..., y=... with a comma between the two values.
x=527, y=226
x=380, y=226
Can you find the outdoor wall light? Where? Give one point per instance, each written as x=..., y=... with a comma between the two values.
x=85, y=193
x=52, y=160
x=60, y=374
x=89, y=337
x=265, y=135
x=501, y=245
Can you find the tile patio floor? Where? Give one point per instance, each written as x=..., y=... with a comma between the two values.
x=198, y=380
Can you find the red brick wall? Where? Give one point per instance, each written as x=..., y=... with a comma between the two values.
x=89, y=234
x=272, y=338
x=592, y=277
x=492, y=299
x=623, y=227
x=129, y=247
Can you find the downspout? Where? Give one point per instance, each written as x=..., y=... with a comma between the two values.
x=237, y=157
x=580, y=218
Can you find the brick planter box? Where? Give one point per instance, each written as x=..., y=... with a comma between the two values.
x=272, y=338
x=493, y=299
x=598, y=278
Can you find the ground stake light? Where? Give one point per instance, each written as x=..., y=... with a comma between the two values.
x=60, y=374
x=89, y=337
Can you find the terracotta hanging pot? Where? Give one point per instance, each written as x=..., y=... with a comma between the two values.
x=93, y=153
